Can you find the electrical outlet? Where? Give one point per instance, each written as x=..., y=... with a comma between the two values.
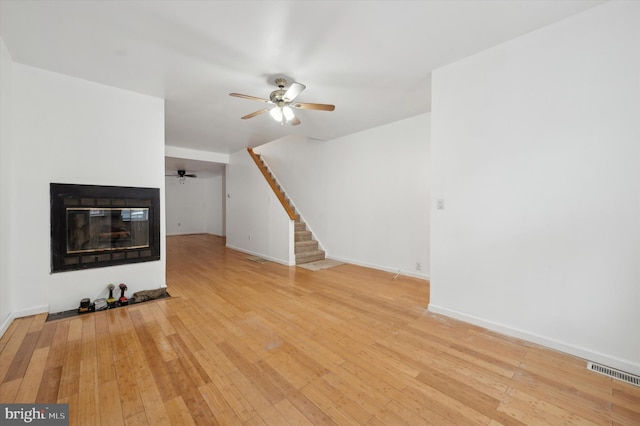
x=418, y=266
x=440, y=204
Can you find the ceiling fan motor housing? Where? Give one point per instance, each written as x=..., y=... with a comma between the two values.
x=277, y=96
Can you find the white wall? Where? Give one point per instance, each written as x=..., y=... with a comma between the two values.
x=365, y=196
x=6, y=72
x=536, y=154
x=256, y=221
x=195, y=206
x=68, y=130
x=216, y=206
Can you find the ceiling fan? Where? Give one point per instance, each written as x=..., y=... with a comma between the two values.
x=283, y=102
x=182, y=174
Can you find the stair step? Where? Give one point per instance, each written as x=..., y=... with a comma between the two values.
x=310, y=256
x=300, y=226
x=302, y=236
x=306, y=246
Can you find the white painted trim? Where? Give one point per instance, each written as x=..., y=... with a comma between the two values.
x=380, y=268
x=22, y=313
x=194, y=154
x=580, y=352
x=31, y=311
x=5, y=325
x=273, y=259
x=194, y=233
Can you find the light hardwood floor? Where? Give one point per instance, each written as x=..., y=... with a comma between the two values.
x=242, y=342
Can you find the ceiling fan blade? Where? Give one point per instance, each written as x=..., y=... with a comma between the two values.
x=191, y=175
x=321, y=107
x=253, y=114
x=293, y=91
x=252, y=98
x=294, y=121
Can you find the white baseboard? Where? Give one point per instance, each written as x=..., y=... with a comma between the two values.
x=6, y=323
x=178, y=234
x=19, y=314
x=380, y=268
x=273, y=259
x=580, y=352
x=31, y=311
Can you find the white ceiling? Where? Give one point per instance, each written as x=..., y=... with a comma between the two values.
x=372, y=59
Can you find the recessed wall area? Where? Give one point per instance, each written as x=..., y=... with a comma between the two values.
x=195, y=205
x=95, y=226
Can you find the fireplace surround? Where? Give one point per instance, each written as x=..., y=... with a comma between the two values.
x=96, y=226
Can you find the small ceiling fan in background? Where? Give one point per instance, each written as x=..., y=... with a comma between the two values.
x=182, y=174
x=283, y=103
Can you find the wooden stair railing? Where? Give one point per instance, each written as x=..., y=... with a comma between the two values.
x=272, y=184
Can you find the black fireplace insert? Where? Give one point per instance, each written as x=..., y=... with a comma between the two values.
x=95, y=226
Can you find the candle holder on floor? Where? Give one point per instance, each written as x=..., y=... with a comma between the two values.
x=123, y=300
x=111, y=301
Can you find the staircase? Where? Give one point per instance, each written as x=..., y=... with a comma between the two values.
x=306, y=247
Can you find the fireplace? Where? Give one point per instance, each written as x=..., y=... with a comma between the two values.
x=95, y=226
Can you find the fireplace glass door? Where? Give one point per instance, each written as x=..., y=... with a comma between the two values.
x=102, y=229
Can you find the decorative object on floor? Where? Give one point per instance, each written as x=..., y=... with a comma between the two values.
x=122, y=300
x=85, y=306
x=111, y=301
x=283, y=103
x=100, y=304
x=146, y=295
x=157, y=294
x=320, y=264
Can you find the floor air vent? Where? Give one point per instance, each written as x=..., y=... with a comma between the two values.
x=616, y=374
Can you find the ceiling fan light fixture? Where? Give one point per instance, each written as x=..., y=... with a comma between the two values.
x=276, y=113
x=288, y=112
